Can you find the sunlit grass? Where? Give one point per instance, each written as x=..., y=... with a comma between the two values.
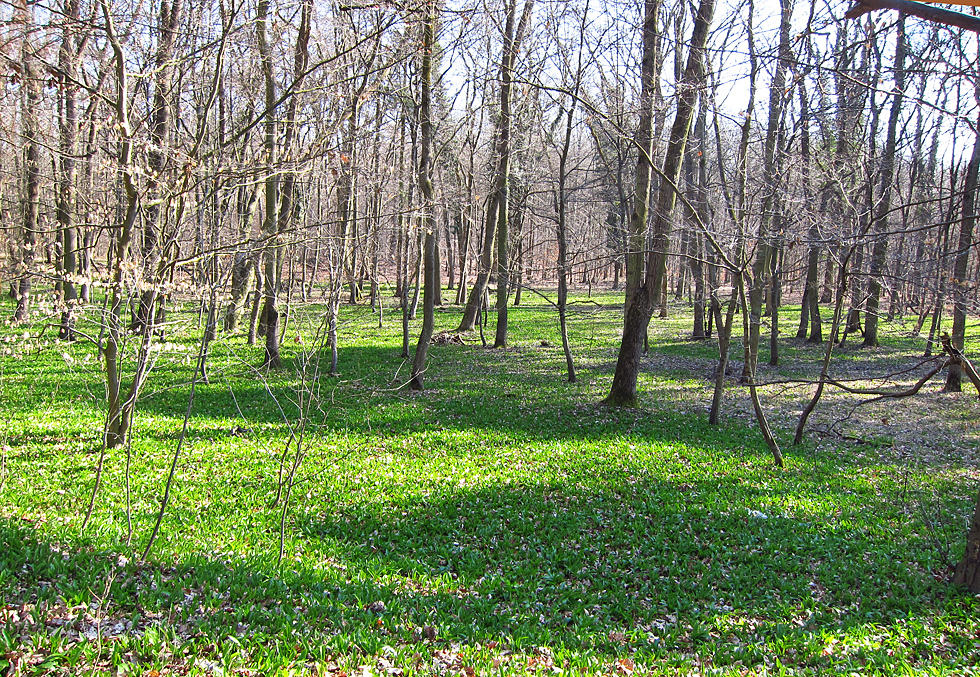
x=499, y=521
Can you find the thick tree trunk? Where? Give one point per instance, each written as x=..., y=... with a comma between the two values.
x=640, y=309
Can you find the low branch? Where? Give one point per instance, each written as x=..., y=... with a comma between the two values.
x=917, y=9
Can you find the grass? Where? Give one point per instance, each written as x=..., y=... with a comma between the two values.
x=498, y=523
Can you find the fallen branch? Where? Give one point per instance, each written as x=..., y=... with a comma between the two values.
x=888, y=394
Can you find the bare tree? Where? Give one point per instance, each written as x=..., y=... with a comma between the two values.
x=31, y=133
x=496, y=215
x=428, y=196
x=639, y=311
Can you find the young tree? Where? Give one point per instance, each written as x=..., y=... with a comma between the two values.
x=497, y=212
x=428, y=198
x=31, y=133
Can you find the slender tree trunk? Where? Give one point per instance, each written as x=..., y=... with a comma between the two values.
x=765, y=250
x=68, y=63
x=561, y=207
x=429, y=223
x=119, y=415
x=810, y=307
x=514, y=32
x=511, y=52
x=270, y=227
x=695, y=180
x=158, y=204
x=961, y=282
x=879, y=252
x=244, y=265
x=32, y=162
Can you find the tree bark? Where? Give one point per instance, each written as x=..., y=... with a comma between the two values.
x=764, y=248
x=160, y=126
x=428, y=197
x=32, y=162
x=880, y=250
x=640, y=309
x=643, y=140
x=514, y=32
x=961, y=282
x=968, y=570
x=69, y=54
x=270, y=227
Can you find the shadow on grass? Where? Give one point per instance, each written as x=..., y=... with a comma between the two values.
x=670, y=569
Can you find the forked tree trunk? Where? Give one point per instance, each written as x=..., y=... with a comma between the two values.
x=514, y=32
x=640, y=309
x=119, y=415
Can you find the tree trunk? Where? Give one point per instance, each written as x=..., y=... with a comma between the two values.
x=961, y=282
x=244, y=265
x=880, y=250
x=764, y=249
x=561, y=209
x=68, y=63
x=32, y=163
x=429, y=224
x=640, y=309
x=968, y=570
x=497, y=203
x=119, y=414
x=270, y=227
x=511, y=52
x=696, y=181
x=160, y=124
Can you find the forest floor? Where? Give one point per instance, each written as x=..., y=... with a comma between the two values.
x=500, y=522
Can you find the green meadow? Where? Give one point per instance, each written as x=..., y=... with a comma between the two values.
x=500, y=522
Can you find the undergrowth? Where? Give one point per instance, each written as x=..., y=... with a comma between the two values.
x=500, y=522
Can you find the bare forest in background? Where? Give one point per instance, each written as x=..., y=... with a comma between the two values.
x=249, y=156
x=256, y=154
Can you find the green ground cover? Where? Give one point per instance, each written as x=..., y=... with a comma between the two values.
x=501, y=522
